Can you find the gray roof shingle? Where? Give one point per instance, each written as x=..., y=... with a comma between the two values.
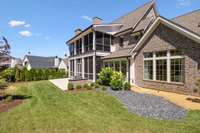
x=41, y=62
x=132, y=18
x=123, y=52
x=189, y=21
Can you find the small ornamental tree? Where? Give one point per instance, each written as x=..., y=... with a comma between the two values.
x=17, y=74
x=105, y=76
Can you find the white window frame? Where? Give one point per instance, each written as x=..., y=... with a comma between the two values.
x=168, y=58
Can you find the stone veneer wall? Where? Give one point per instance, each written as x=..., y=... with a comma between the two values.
x=164, y=38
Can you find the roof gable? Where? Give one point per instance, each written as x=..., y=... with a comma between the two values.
x=133, y=18
x=190, y=21
x=169, y=24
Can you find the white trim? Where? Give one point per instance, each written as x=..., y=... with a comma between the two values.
x=168, y=58
x=94, y=40
x=166, y=22
x=94, y=68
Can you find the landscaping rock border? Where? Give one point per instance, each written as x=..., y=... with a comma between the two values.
x=149, y=105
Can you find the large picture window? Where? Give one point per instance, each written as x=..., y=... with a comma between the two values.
x=177, y=68
x=79, y=46
x=161, y=70
x=165, y=66
x=148, y=69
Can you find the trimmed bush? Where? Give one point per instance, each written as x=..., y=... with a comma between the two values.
x=127, y=86
x=92, y=84
x=70, y=86
x=103, y=88
x=3, y=84
x=85, y=86
x=117, y=81
x=105, y=76
x=97, y=85
x=89, y=87
x=8, y=99
x=78, y=87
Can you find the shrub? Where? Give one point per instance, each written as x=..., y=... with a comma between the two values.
x=9, y=74
x=22, y=75
x=78, y=87
x=3, y=84
x=117, y=81
x=198, y=85
x=103, y=88
x=89, y=87
x=96, y=85
x=27, y=75
x=85, y=86
x=92, y=84
x=70, y=86
x=8, y=99
x=127, y=86
x=105, y=76
x=17, y=74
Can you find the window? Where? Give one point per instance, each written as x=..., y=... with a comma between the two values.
x=79, y=46
x=164, y=66
x=124, y=67
x=71, y=67
x=121, y=41
x=177, y=70
x=88, y=67
x=161, y=70
x=103, y=41
x=148, y=69
x=88, y=42
x=148, y=55
x=161, y=54
x=71, y=49
x=117, y=66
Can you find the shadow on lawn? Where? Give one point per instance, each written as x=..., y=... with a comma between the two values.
x=15, y=97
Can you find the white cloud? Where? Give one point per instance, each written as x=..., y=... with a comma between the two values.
x=27, y=25
x=86, y=18
x=16, y=23
x=25, y=33
x=184, y=3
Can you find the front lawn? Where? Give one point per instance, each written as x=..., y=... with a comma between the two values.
x=48, y=109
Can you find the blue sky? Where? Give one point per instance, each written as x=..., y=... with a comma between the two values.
x=43, y=26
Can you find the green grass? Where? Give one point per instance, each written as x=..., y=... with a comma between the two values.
x=50, y=110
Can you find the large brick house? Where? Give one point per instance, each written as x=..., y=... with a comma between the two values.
x=152, y=51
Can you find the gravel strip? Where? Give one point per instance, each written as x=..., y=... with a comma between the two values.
x=149, y=105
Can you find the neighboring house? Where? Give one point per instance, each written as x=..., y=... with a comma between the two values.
x=15, y=62
x=152, y=51
x=38, y=62
x=10, y=62
x=64, y=64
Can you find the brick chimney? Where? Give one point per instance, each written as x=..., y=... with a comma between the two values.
x=78, y=31
x=97, y=20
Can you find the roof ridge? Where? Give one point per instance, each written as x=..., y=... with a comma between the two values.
x=41, y=56
x=150, y=2
x=185, y=14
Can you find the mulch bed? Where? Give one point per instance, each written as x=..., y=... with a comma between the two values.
x=5, y=106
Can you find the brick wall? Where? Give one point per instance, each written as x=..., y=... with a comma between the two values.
x=165, y=38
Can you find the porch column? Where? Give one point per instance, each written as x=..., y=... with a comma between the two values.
x=94, y=68
x=75, y=68
x=69, y=70
x=94, y=40
x=83, y=68
x=83, y=45
x=75, y=48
